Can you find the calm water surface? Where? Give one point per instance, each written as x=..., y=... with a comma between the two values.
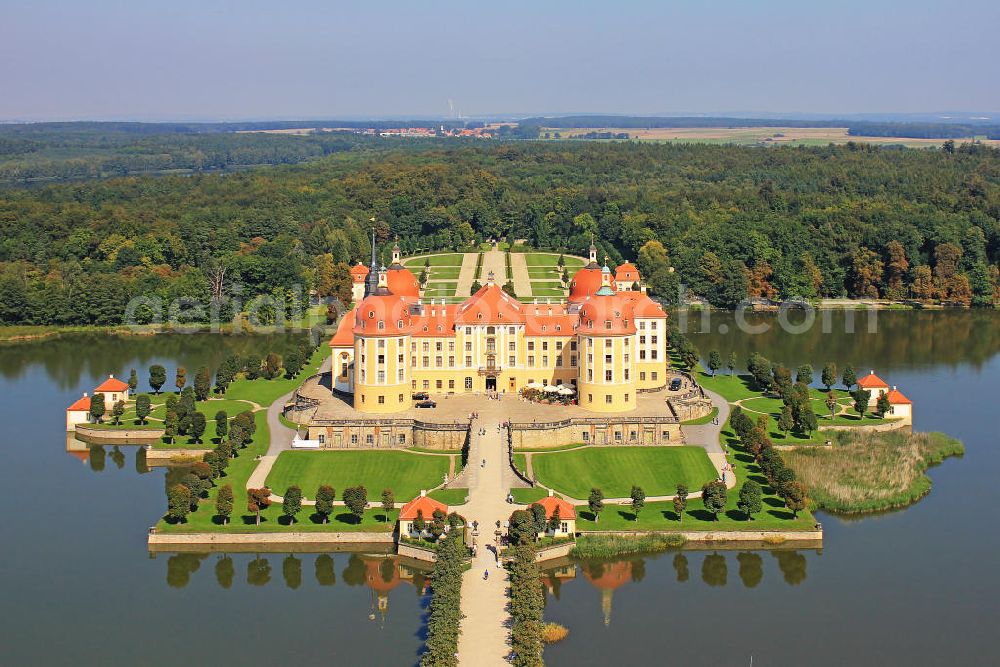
x=913, y=587
x=78, y=585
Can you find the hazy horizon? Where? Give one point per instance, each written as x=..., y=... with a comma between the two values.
x=255, y=60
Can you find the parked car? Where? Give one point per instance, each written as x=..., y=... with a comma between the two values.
x=421, y=396
x=426, y=404
x=675, y=384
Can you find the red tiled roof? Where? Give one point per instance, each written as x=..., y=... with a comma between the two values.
x=80, y=405
x=599, y=309
x=539, y=321
x=642, y=305
x=435, y=320
x=550, y=503
x=401, y=282
x=896, y=397
x=392, y=311
x=424, y=504
x=586, y=282
x=626, y=271
x=490, y=305
x=872, y=381
x=344, y=337
x=359, y=269
x=111, y=384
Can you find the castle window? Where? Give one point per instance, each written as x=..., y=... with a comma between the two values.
x=381, y=400
x=642, y=376
x=607, y=376
x=652, y=354
x=654, y=376
x=451, y=362
x=607, y=399
x=439, y=384
x=451, y=384
x=399, y=324
x=510, y=330
x=468, y=384
x=381, y=378
x=427, y=384
x=381, y=358
x=545, y=345
x=381, y=325
x=371, y=314
x=511, y=360
x=370, y=439
x=607, y=359
x=607, y=324
x=438, y=346
x=468, y=361
x=354, y=437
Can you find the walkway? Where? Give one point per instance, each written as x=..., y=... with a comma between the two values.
x=486, y=623
x=467, y=275
x=708, y=435
x=493, y=260
x=522, y=280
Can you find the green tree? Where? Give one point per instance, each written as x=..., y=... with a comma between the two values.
x=713, y=496
x=257, y=501
x=272, y=365
x=178, y=503
x=795, y=497
x=538, y=518
x=786, y=422
x=143, y=407
x=196, y=426
x=714, y=361
x=807, y=421
x=731, y=364
x=202, y=383
x=750, y=501
x=221, y=424
x=681, y=501
x=555, y=521
x=133, y=381
x=181, y=378
x=831, y=404
x=356, y=499
x=804, y=374
x=861, y=398
x=882, y=405
x=829, y=377
x=850, y=377
x=324, y=501
x=97, y=408
x=170, y=426
x=292, y=503
x=117, y=411
x=638, y=497
x=157, y=377
x=388, y=502
x=224, y=503
x=596, y=502
x=419, y=523
x=438, y=519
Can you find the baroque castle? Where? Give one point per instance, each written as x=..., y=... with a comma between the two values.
x=607, y=341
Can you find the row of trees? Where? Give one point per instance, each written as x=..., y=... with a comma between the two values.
x=441, y=646
x=527, y=603
x=755, y=441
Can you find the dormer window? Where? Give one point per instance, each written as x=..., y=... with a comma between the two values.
x=381, y=325
x=607, y=324
x=399, y=324
x=440, y=328
x=371, y=314
x=558, y=327
x=543, y=327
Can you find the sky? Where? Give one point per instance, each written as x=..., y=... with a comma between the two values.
x=291, y=59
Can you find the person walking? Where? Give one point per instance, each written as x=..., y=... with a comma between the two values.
x=486, y=574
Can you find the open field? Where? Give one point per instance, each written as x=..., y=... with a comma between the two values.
x=799, y=136
x=658, y=470
x=403, y=472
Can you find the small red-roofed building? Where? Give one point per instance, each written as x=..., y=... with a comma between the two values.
x=901, y=406
x=874, y=385
x=424, y=506
x=358, y=274
x=626, y=276
x=567, y=516
x=114, y=390
x=78, y=413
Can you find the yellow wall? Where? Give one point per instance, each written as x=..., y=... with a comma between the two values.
x=602, y=355
x=381, y=380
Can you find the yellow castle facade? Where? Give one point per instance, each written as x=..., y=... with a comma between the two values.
x=606, y=344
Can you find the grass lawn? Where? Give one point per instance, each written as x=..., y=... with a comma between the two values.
x=547, y=291
x=658, y=470
x=403, y=472
x=703, y=420
x=450, y=497
x=444, y=272
x=264, y=392
x=444, y=259
x=552, y=259
x=528, y=496
x=731, y=387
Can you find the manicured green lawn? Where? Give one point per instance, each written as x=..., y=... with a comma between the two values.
x=264, y=392
x=403, y=472
x=551, y=259
x=731, y=387
x=658, y=470
x=703, y=420
x=445, y=259
x=450, y=497
x=547, y=291
x=528, y=496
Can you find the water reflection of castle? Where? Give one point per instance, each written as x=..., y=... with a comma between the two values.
x=609, y=576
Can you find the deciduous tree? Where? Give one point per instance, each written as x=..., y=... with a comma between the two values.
x=143, y=407
x=325, y=496
x=829, y=375
x=202, y=383
x=713, y=495
x=224, y=503
x=97, y=408
x=596, y=502
x=680, y=501
x=750, y=499
x=181, y=379
x=178, y=503
x=638, y=497
x=292, y=503
x=257, y=501
x=157, y=377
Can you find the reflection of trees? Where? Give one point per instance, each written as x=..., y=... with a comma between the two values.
x=97, y=458
x=180, y=567
x=67, y=368
x=140, y=461
x=751, y=568
x=291, y=570
x=681, y=568
x=387, y=570
x=713, y=570
x=555, y=585
x=225, y=571
x=638, y=569
x=118, y=457
x=595, y=569
x=325, y=575
x=258, y=572
x=949, y=337
x=792, y=565
x=354, y=573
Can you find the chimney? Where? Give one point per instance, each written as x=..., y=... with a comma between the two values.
x=383, y=278
x=85, y=394
x=489, y=278
x=111, y=375
x=423, y=492
x=550, y=492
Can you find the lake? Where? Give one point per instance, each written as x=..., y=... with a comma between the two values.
x=915, y=586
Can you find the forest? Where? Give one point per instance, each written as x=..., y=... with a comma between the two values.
x=726, y=222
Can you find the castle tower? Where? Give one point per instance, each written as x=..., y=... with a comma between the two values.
x=371, y=280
